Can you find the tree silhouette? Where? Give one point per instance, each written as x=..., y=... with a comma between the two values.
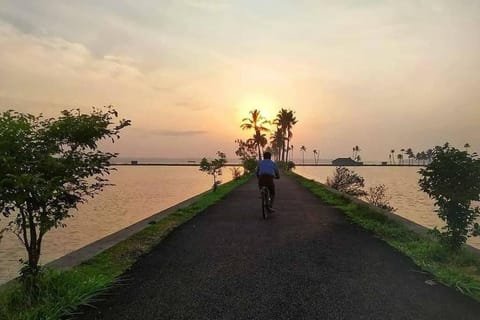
x=303, y=149
x=285, y=120
x=315, y=156
x=467, y=146
x=277, y=142
x=258, y=123
x=411, y=156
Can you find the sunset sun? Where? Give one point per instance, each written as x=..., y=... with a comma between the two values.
x=267, y=106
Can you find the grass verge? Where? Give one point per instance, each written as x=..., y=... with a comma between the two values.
x=61, y=292
x=458, y=270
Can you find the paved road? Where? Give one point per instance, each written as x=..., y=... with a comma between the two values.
x=306, y=262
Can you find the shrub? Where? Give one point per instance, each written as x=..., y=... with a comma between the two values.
x=285, y=166
x=249, y=165
x=214, y=167
x=452, y=179
x=236, y=173
x=377, y=196
x=347, y=181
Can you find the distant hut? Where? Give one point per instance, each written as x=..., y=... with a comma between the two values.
x=346, y=162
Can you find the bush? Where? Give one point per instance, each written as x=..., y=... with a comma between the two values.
x=214, y=167
x=249, y=165
x=347, y=181
x=236, y=173
x=285, y=166
x=452, y=179
x=377, y=196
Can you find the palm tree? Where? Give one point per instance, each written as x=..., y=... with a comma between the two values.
x=258, y=123
x=285, y=120
x=291, y=149
x=315, y=156
x=303, y=149
x=402, y=151
x=400, y=158
x=277, y=142
x=392, y=155
x=355, y=152
x=429, y=155
x=423, y=156
x=411, y=156
x=467, y=146
x=418, y=156
x=259, y=140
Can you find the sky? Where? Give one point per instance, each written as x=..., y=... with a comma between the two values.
x=378, y=74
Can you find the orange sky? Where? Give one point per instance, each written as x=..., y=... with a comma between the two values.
x=378, y=74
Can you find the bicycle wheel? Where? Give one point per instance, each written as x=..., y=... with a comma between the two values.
x=265, y=203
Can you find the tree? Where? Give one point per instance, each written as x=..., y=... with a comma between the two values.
x=277, y=142
x=259, y=140
x=452, y=179
x=347, y=181
x=411, y=156
x=303, y=150
x=214, y=167
x=392, y=154
x=355, y=151
x=467, y=146
x=248, y=154
x=400, y=158
x=377, y=196
x=315, y=156
x=429, y=155
x=258, y=123
x=47, y=167
x=285, y=121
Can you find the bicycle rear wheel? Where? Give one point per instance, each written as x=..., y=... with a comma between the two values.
x=265, y=200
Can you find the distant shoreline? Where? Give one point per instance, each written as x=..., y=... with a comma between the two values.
x=239, y=165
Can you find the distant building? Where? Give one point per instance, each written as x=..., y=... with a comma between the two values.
x=346, y=162
x=134, y=162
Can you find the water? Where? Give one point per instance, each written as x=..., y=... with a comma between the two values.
x=403, y=188
x=139, y=192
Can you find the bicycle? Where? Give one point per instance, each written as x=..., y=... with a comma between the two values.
x=266, y=201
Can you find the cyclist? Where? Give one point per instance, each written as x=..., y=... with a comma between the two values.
x=266, y=171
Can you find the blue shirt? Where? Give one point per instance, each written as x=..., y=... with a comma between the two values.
x=267, y=166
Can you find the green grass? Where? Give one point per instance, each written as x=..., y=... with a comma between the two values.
x=61, y=292
x=458, y=270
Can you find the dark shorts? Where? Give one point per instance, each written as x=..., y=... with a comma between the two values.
x=267, y=180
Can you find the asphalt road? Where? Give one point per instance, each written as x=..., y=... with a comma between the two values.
x=306, y=262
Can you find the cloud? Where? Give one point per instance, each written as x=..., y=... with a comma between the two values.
x=181, y=133
x=191, y=105
x=167, y=132
x=210, y=5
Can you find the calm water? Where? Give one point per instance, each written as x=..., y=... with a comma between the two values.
x=402, y=184
x=138, y=193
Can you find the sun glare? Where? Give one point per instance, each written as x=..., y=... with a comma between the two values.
x=267, y=106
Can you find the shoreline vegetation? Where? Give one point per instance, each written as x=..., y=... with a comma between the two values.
x=458, y=270
x=240, y=164
x=63, y=291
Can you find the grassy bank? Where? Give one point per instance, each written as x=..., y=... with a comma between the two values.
x=460, y=271
x=62, y=292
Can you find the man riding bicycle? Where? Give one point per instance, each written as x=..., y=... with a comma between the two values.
x=266, y=171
